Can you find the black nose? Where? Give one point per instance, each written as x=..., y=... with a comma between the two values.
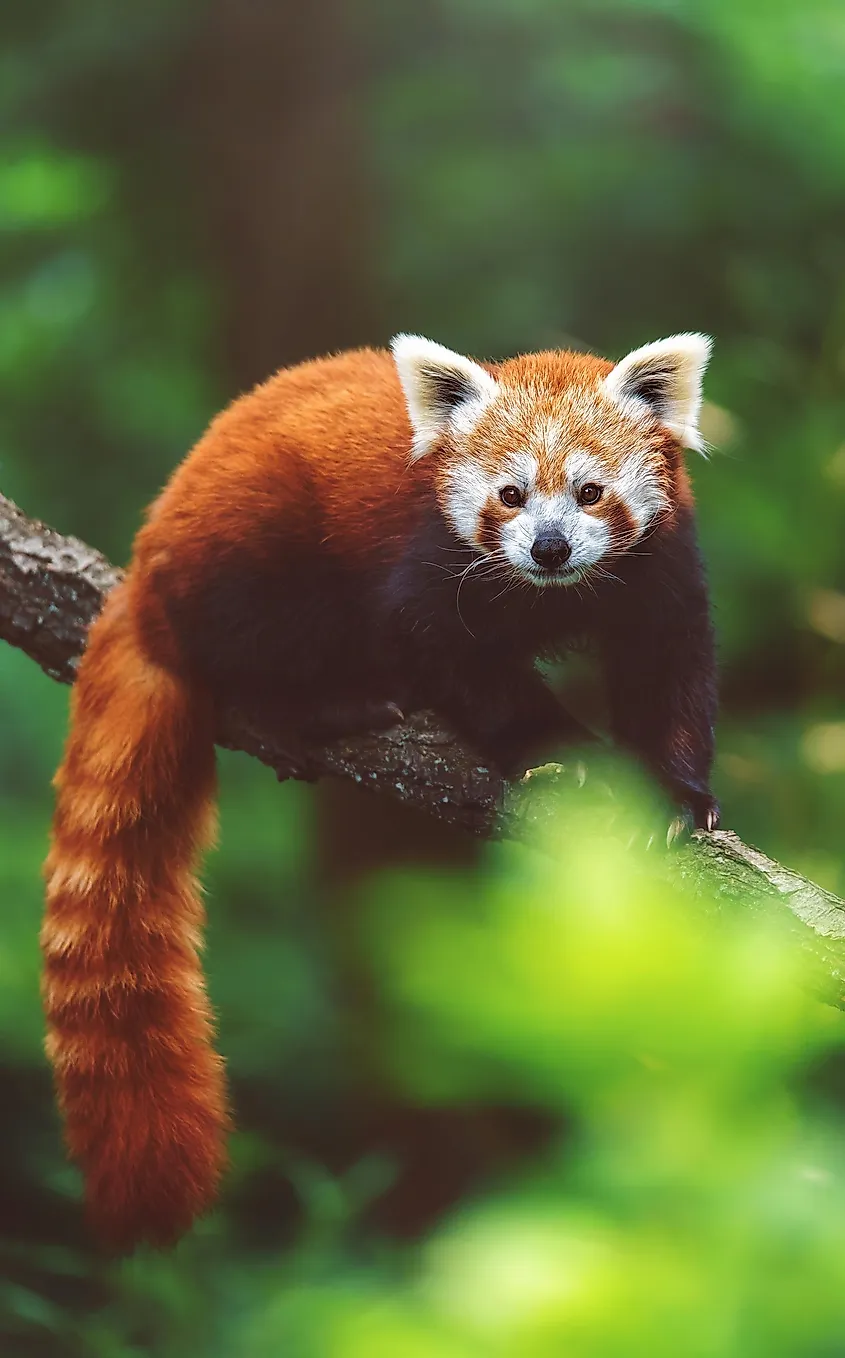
x=550, y=551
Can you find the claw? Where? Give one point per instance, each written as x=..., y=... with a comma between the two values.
x=677, y=830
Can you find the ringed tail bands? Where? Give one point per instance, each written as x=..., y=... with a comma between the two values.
x=129, y=1028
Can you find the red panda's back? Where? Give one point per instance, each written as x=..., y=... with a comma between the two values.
x=316, y=457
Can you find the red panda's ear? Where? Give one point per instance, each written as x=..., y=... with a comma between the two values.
x=664, y=378
x=442, y=389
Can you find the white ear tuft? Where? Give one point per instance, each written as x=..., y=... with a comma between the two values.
x=665, y=378
x=441, y=388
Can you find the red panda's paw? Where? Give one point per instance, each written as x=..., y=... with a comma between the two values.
x=703, y=814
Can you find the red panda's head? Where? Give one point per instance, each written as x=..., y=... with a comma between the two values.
x=554, y=462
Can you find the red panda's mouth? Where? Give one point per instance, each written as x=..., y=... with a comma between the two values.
x=561, y=575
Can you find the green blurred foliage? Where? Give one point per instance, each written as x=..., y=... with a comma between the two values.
x=689, y=1193
x=534, y=1107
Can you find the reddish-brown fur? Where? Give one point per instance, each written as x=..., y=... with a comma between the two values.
x=312, y=465
x=129, y=1025
x=549, y=404
x=319, y=452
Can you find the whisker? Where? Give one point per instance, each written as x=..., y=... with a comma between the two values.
x=440, y=566
x=472, y=565
x=513, y=581
x=601, y=573
x=587, y=580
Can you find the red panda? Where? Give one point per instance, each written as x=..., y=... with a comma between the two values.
x=362, y=535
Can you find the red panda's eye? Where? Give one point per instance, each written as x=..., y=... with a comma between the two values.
x=511, y=496
x=590, y=494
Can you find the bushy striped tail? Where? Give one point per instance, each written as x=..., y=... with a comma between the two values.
x=129, y=1025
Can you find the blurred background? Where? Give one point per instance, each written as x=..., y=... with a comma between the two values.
x=438, y=1154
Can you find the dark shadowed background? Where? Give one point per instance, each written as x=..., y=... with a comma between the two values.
x=193, y=194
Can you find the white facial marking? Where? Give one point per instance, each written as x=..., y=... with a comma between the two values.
x=520, y=469
x=560, y=514
x=589, y=535
x=634, y=482
x=469, y=487
x=582, y=466
x=640, y=490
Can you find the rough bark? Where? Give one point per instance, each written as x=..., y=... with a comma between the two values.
x=51, y=587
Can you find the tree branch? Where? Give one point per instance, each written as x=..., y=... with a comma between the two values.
x=51, y=588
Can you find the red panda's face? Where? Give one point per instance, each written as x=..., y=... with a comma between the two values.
x=555, y=463
x=554, y=487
